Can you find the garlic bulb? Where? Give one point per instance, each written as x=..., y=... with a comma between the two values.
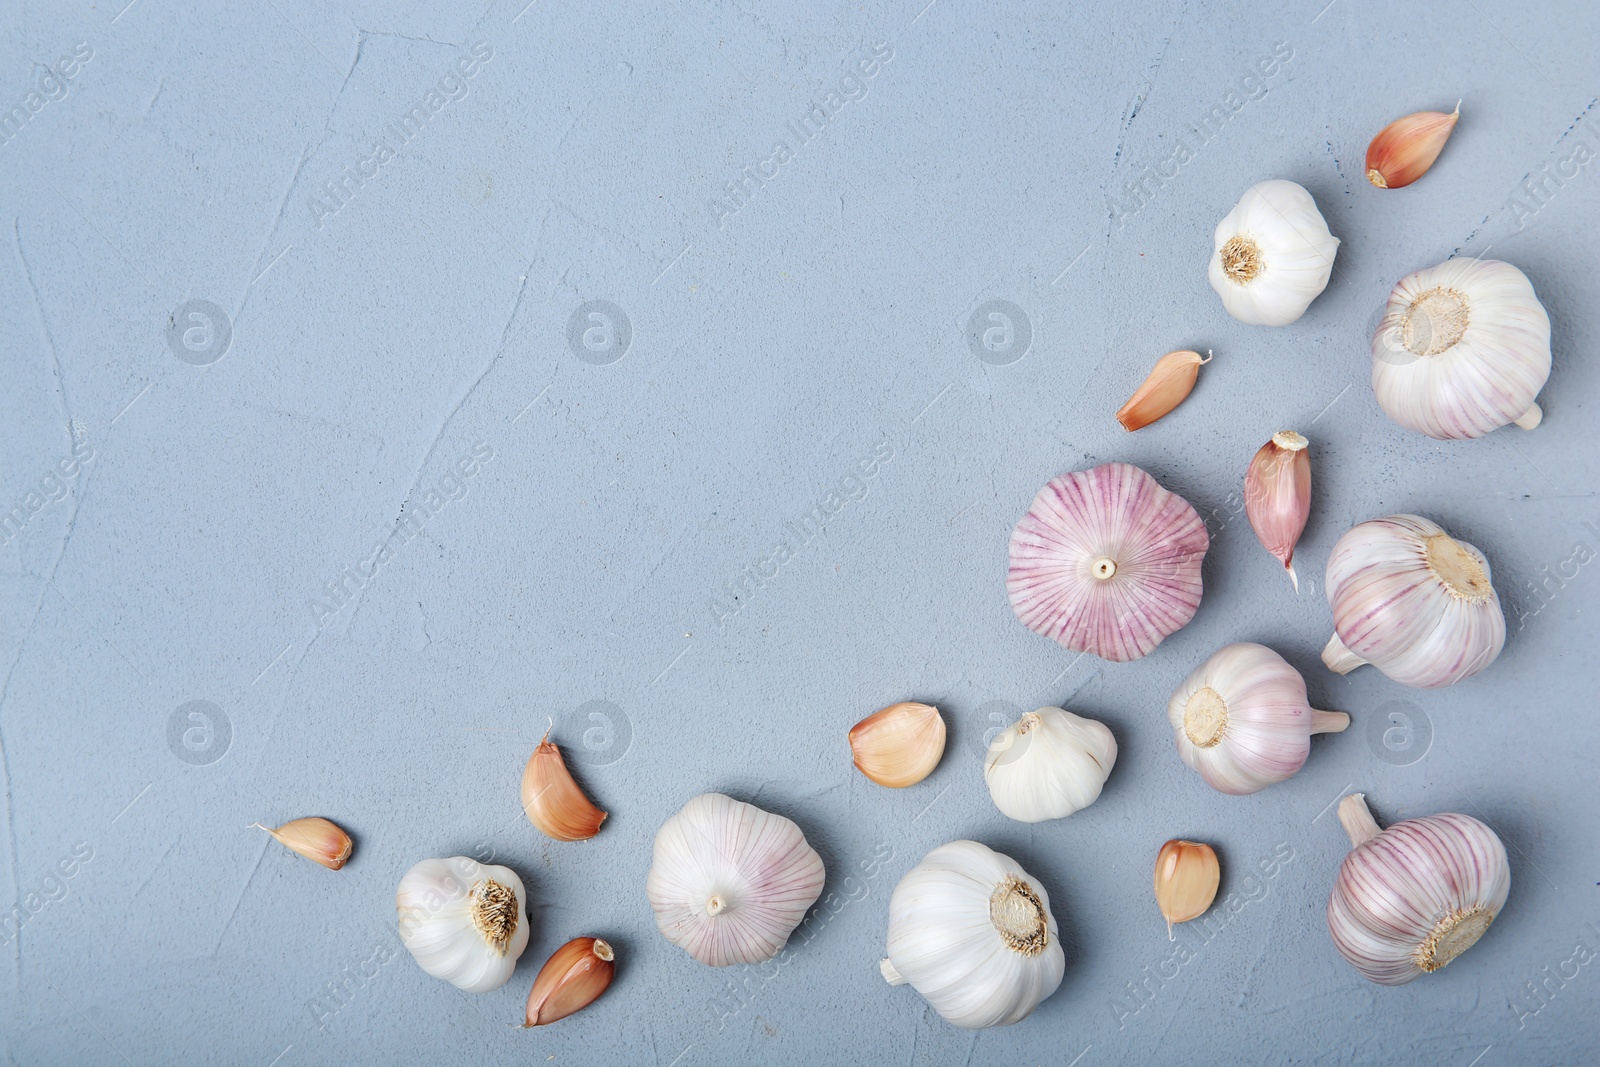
x=1106, y=561
x=972, y=932
x=730, y=882
x=900, y=745
x=1241, y=719
x=1048, y=764
x=1277, y=496
x=1413, y=602
x=1273, y=254
x=1411, y=898
x=1463, y=349
x=463, y=921
x=1186, y=880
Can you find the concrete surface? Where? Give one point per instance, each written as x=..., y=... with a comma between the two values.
x=261, y=320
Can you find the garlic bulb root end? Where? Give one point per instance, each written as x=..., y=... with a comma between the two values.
x=1357, y=820
x=1340, y=660
x=1531, y=418
x=1329, y=722
x=1454, y=934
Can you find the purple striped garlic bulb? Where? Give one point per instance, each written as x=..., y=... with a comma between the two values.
x=1413, y=602
x=729, y=882
x=1463, y=349
x=1242, y=720
x=1411, y=898
x=1106, y=561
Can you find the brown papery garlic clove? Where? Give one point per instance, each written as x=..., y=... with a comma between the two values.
x=900, y=745
x=1277, y=496
x=553, y=801
x=1168, y=384
x=1405, y=149
x=318, y=840
x=572, y=978
x=1187, y=876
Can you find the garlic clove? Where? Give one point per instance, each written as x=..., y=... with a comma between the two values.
x=1277, y=496
x=1405, y=149
x=1186, y=880
x=572, y=978
x=1164, y=389
x=316, y=839
x=553, y=800
x=1411, y=898
x=900, y=745
x=1107, y=561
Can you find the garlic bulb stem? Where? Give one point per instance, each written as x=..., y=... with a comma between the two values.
x=890, y=975
x=1357, y=820
x=1329, y=722
x=1531, y=418
x=1338, y=659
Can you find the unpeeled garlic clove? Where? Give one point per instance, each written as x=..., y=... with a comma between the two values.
x=1277, y=496
x=1405, y=149
x=900, y=745
x=572, y=978
x=1187, y=876
x=1166, y=387
x=553, y=801
x=316, y=839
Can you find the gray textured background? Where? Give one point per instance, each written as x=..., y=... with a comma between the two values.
x=774, y=342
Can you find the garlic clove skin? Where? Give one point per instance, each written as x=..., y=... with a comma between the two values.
x=1277, y=496
x=1462, y=350
x=900, y=745
x=1405, y=149
x=463, y=921
x=1412, y=601
x=553, y=801
x=1411, y=898
x=572, y=978
x=1167, y=386
x=1048, y=764
x=1242, y=720
x=1107, y=561
x=729, y=882
x=1186, y=880
x=972, y=932
x=318, y=840
x=1273, y=254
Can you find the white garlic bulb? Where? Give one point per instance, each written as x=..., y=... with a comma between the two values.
x=1242, y=719
x=1463, y=349
x=1411, y=898
x=730, y=882
x=972, y=932
x=463, y=921
x=1273, y=254
x=1413, y=602
x=1048, y=764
